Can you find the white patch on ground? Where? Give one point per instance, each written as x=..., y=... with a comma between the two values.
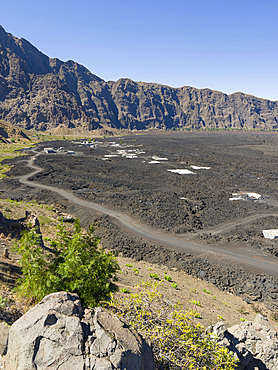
x=110, y=155
x=159, y=158
x=182, y=172
x=245, y=196
x=200, y=168
x=183, y=198
x=153, y=162
x=270, y=234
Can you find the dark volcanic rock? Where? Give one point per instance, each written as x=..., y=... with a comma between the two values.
x=42, y=93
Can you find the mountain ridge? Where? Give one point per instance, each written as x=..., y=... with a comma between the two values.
x=38, y=92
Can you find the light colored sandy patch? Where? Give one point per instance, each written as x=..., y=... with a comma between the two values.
x=159, y=158
x=110, y=155
x=182, y=172
x=270, y=234
x=245, y=196
x=200, y=168
x=153, y=162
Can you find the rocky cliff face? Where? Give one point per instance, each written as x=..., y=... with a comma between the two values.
x=42, y=93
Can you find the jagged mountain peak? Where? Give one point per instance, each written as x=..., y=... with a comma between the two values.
x=43, y=93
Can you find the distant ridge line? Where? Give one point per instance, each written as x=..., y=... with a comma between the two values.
x=37, y=92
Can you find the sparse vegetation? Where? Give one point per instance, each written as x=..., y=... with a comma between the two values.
x=154, y=276
x=274, y=316
x=196, y=303
x=3, y=302
x=176, y=339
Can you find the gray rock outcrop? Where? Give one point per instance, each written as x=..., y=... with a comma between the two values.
x=57, y=334
x=14, y=228
x=40, y=93
x=255, y=343
x=4, y=333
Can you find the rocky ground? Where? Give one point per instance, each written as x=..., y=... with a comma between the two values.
x=211, y=303
x=169, y=201
x=192, y=204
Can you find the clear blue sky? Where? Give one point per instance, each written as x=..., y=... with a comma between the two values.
x=226, y=45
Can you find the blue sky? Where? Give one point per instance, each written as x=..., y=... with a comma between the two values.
x=220, y=44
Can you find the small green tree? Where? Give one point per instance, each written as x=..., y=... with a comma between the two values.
x=76, y=264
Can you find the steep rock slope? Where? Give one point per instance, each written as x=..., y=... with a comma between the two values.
x=42, y=93
x=9, y=132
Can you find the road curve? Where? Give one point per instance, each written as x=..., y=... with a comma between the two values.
x=263, y=264
x=229, y=225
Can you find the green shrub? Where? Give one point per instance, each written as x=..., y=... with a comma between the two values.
x=154, y=276
x=168, y=278
x=3, y=302
x=76, y=264
x=177, y=341
x=197, y=303
x=125, y=290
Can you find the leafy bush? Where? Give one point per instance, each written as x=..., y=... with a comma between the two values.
x=76, y=264
x=125, y=290
x=177, y=341
x=168, y=278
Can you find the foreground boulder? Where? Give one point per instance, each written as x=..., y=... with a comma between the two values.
x=58, y=334
x=255, y=343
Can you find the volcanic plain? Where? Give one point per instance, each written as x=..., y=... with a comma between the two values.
x=176, y=183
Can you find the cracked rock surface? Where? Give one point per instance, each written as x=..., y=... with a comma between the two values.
x=255, y=344
x=58, y=334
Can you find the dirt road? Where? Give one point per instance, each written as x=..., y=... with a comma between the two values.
x=258, y=263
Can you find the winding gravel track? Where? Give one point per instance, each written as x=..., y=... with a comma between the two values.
x=262, y=264
x=229, y=225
